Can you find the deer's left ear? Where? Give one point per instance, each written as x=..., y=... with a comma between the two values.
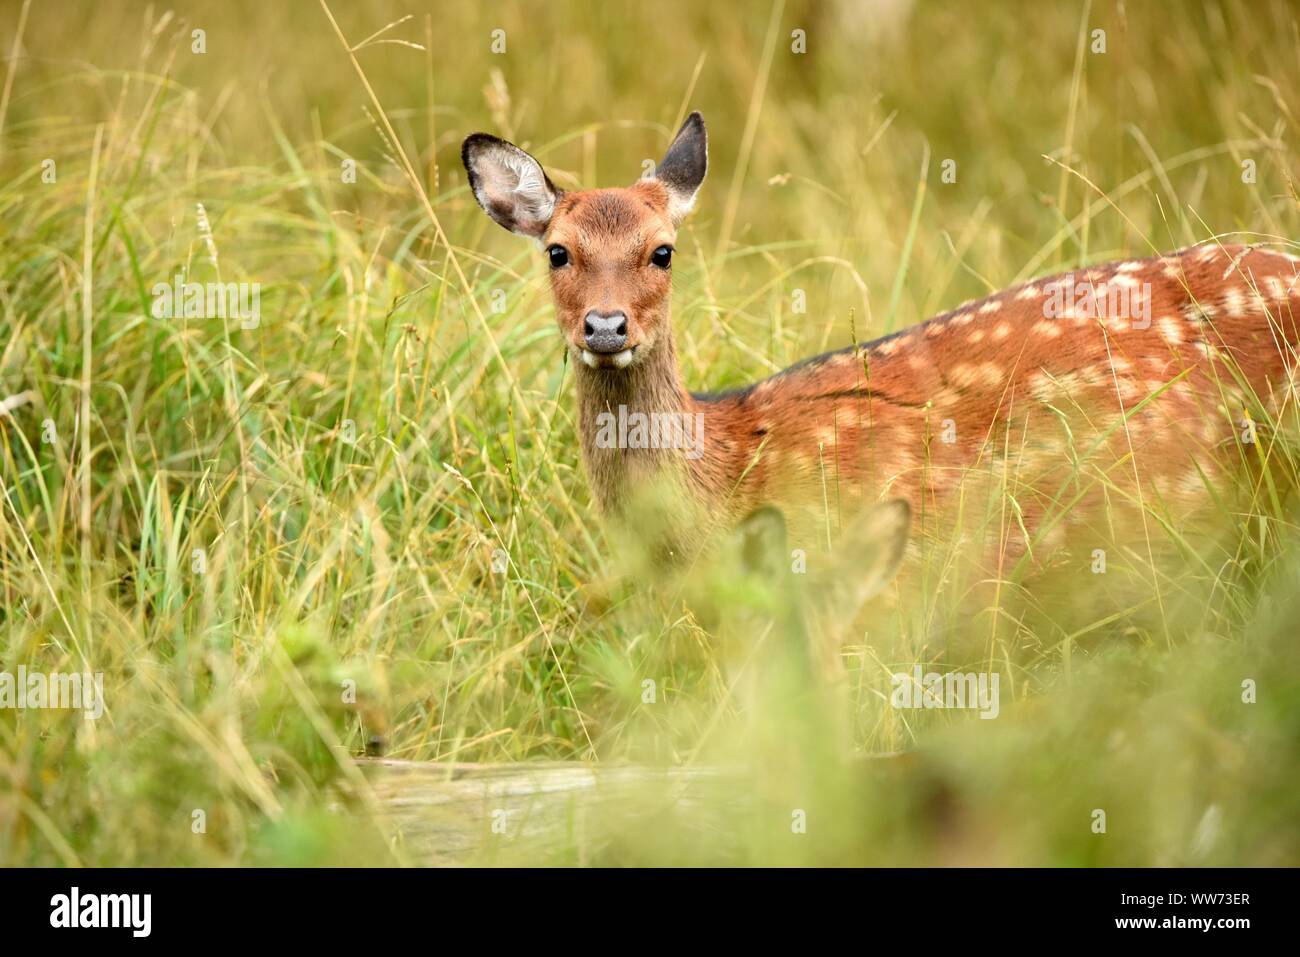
x=869, y=555
x=683, y=166
x=509, y=184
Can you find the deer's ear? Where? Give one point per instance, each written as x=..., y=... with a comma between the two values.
x=869, y=554
x=684, y=165
x=509, y=184
x=761, y=537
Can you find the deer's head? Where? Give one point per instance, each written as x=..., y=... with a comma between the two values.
x=781, y=633
x=610, y=250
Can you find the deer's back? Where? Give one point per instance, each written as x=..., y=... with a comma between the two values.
x=1172, y=359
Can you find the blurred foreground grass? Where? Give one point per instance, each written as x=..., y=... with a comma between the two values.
x=280, y=542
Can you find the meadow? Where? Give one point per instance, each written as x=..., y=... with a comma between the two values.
x=359, y=522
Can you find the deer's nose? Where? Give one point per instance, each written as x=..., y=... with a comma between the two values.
x=605, y=333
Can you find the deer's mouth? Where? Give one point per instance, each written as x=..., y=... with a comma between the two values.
x=608, y=360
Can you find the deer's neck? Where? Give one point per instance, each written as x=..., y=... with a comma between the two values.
x=614, y=404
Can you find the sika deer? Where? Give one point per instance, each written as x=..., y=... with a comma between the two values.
x=1124, y=381
x=781, y=633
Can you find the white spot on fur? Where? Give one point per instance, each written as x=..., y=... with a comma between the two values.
x=1041, y=386
x=1095, y=375
x=968, y=374
x=1199, y=312
x=1233, y=302
x=1191, y=483
x=992, y=374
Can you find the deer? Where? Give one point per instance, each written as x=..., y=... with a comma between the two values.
x=780, y=634
x=1133, y=381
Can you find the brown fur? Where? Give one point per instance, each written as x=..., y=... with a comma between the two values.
x=1069, y=414
x=866, y=422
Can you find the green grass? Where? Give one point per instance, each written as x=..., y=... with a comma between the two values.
x=403, y=414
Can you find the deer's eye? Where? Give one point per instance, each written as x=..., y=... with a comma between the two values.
x=662, y=257
x=559, y=256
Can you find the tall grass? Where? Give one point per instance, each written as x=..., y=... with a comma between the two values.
x=378, y=486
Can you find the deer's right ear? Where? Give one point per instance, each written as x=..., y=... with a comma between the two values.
x=509, y=184
x=761, y=538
